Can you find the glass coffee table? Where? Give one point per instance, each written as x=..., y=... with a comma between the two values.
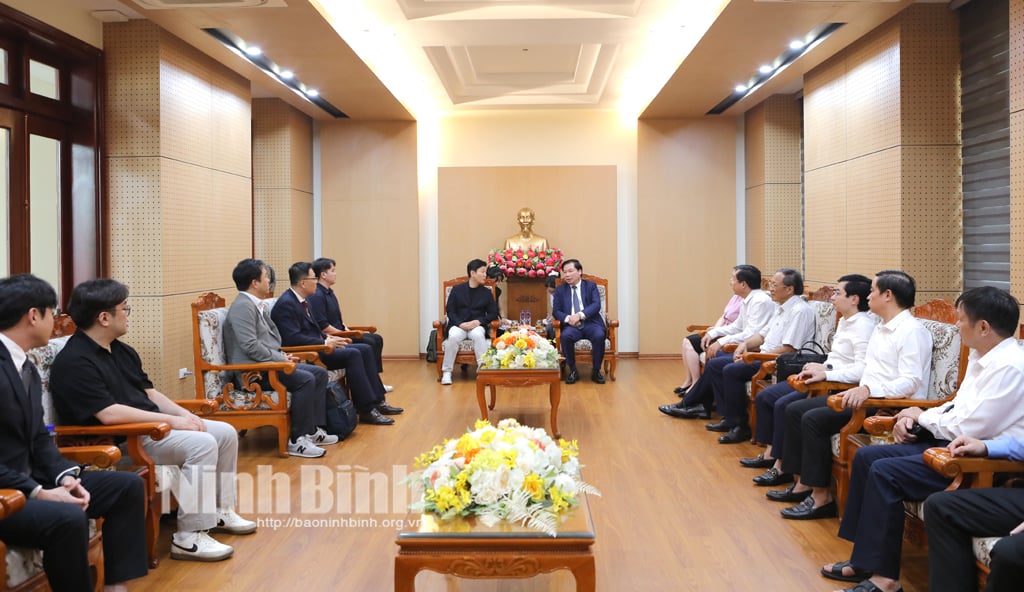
x=466, y=548
x=491, y=378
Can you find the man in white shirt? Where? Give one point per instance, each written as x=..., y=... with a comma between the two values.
x=988, y=404
x=896, y=365
x=790, y=328
x=845, y=360
x=755, y=313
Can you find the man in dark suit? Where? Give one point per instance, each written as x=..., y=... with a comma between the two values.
x=327, y=311
x=577, y=306
x=251, y=337
x=294, y=321
x=61, y=498
x=470, y=308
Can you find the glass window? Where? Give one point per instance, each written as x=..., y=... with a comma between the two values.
x=44, y=200
x=43, y=80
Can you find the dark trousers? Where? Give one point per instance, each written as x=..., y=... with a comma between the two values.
x=771, y=406
x=62, y=531
x=360, y=374
x=731, y=391
x=593, y=332
x=308, y=409
x=809, y=428
x=881, y=479
x=703, y=391
x=376, y=343
x=956, y=516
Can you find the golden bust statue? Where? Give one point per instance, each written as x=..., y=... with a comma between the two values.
x=526, y=238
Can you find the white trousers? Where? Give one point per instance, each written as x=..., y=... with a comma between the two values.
x=457, y=336
x=208, y=461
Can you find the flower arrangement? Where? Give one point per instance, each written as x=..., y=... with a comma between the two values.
x=509, y=472
x=520, y=348
x=530, y=263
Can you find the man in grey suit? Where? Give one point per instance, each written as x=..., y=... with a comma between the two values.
x=251, y=337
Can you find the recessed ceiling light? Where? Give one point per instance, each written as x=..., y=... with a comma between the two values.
x=253, y=50
x=312, y=92
x=741, y=88
x=796, y=44
x=765, y=69
x=286, y=74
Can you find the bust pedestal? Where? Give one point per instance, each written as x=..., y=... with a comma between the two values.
x=526, y=294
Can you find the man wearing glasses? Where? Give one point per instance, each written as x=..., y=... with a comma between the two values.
x=97, y=379
x=295, y=322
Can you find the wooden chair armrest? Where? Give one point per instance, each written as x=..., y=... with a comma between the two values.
x=11, y=500
x=768, y=366
x=751, y=357
x=286, y=367
x=613, y=324
x=730, y=347
x=698, y=328
x=878, y=425
x=103, y=456
x=951, y=467
x=818, y=388
x=835, y=403
x=316, y=349
x=363, y=328
x=350, y=335
x=439, y=325
x=200, y=407
x=154, y=429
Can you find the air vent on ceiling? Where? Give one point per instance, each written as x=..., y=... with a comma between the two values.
x=165, y=4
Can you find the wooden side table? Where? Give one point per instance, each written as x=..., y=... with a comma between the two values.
x=468, y=549
x=520, y=377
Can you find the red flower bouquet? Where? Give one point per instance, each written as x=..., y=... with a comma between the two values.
x=532, y=263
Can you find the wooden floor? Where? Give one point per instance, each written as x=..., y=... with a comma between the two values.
x=677, y=511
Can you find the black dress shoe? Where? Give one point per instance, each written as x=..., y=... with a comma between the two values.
x=758, y=462
x=719, y=426
x=374, y=417
x=788, y=495
x=681, y=390
x=597, y=377
x=572, y=378
x=695, y=412
x=805, y=510
x=736, y=435
x=773, y=477
x=389, y=409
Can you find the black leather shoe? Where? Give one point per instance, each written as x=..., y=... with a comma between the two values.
x=389, y=409
x=805, y=510
x=695, y=412
x=673, y=410
x=719, y=426
x=681, y=390
x=773, y=477
x=572, y=378
x=374, y=417
x=788, y=495
x=736, y=435
x=597, y=377
x=758, y=462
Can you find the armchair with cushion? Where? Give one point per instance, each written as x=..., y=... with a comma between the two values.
x=22, y=568
x=583, y=346
x=466, y=354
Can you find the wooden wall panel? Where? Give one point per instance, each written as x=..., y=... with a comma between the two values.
x=874, y=215
x=370, y=213
x=754, y=146
x=929, y=75
x=686, y=196
x=825, y=236
x=756, y=234
x=783, y=226
x=931, y=229
x=825, y=114
x=1017, y=148
x=782, y=140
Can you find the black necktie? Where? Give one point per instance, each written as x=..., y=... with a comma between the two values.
x=28, y=372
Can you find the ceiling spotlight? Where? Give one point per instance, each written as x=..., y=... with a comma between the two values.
x=765, y=69
x=797, y=44
x=312, y=92
x=740, y=88
x=253, y=51
x=286, y=74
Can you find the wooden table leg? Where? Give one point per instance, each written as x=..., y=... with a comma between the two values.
x=480, y=385
x=586, y=578
x=405, y=575
x=494, y=395
x=555, y=393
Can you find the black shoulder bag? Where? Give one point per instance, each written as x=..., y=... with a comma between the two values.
x=791, y=363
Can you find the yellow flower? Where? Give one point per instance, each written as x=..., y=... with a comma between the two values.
x=529, y=361
x=487, y=437
x=481, y=424
x=521, y=344
x=467, y=445
x=569, y=449
x=534, y=485
x=558, y=503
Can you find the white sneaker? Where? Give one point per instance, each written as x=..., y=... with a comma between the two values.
x=304, y=448
x=229, y=521
x=198, y=546
x=446, y=378
x=388, y=388
x=321, y=438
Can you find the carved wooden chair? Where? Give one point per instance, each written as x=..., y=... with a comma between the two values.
x=583, y=347
x=157, y=478
x=311, y=353
x=949, y=362
x=247, y=405
x=22, y=568
x=466, y=354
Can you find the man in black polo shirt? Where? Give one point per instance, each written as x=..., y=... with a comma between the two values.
x=97, y=379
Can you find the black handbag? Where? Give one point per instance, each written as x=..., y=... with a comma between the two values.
x=791, y=363
x=341, y=413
